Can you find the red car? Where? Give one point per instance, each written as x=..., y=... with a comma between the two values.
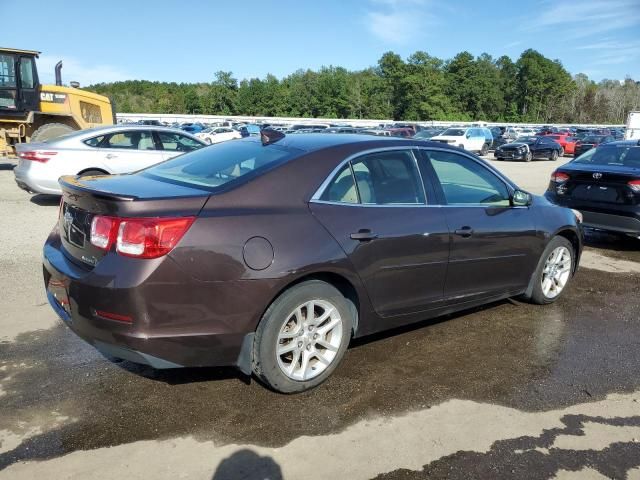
x=567, y=142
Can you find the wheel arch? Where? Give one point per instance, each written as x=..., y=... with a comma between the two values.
x=574, y=238
x=96, y=169
x=339, y=281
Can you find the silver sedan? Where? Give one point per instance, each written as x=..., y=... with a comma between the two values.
x=98, y=151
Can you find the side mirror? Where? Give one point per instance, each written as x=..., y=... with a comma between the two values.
x=521, y=199
x=468, y=135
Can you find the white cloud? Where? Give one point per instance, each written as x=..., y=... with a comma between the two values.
x=395, y=21
x=587, y=18
x=76, y=70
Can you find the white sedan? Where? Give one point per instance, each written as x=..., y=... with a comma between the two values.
x=97, y=151
x=218, y=134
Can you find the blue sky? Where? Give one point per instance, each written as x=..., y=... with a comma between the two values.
x=187, y=41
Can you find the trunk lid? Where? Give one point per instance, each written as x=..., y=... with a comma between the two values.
x=600, y=183
x=130, y=195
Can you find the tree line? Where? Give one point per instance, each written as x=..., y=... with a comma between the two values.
x=421, y=87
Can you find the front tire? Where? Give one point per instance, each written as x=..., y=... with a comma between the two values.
x=555, y=270
x=554, y=155
x=528, y=157
x=302, y=337
x=561, y=152
x=484, y=150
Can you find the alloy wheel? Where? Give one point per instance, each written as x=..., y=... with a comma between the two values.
x=309, y=340
x=556, y=272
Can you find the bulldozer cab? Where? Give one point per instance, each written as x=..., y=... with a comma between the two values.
x=32, y=112
x=19, y=84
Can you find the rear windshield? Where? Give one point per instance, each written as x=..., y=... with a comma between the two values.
x=593, y=138
x=221, y=163
x=626, y=156
x=453, y=132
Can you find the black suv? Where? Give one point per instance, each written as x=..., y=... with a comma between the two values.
x=603, y=184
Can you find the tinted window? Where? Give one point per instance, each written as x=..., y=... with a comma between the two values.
x=175, y=142
x=221, y=163
x=593, y=139
x=134, y=140
x=466, y=182
x=342, y=189
x=453, y=132
x=7, y=71
x=386, y=178
x=26, y=73
x=627, y=156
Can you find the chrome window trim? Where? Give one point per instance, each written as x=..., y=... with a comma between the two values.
x=316, y=197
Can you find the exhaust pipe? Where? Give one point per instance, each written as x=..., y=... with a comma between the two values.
x=58, y=73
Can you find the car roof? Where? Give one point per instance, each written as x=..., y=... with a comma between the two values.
x=622, y=143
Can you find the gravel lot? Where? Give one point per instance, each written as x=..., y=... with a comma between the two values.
x=507, y=391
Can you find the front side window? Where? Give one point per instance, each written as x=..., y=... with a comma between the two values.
x=135, y=140
x=174, y=142
x=466, y=182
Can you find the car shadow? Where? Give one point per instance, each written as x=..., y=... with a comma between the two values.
x=180, y=376
x=7, y=166
x=610, y=241
x=248, y=465
x=44, y=200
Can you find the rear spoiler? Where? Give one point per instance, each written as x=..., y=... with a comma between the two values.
x=74, y=183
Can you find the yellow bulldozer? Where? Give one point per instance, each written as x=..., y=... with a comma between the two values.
x=30, y=111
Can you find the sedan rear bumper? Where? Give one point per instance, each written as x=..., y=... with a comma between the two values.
x=611, y=222
x=165, y=331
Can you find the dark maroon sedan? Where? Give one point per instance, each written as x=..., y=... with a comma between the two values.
x=271, y=253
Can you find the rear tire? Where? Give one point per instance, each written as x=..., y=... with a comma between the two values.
x=561, y=153
x=554, y=155
x=528, y=157
x=484, y=150
x=290, y=327
x=49, y=131
x=553, y=275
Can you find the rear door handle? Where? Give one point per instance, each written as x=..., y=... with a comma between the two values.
x=110, y=156
x=464, y=232
x=364, y=235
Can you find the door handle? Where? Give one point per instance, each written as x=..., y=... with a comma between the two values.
x=111, y=155
x=364, y=235
x=464, y=232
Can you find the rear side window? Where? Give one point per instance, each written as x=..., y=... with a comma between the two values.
x=130, y=140
x=342, y=189
x=221, y=163
x=94, y=142
x=466, y=182
x=174, y=142
x=383, y=178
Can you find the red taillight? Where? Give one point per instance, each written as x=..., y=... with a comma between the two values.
x=103, y=231
x=559, y=177
x=37, y=155
x=139, y=237
x=150, y=237
x=114, y=316
x=635, y=185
